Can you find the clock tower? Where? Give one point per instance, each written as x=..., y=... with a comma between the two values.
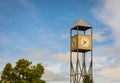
x=80, y=47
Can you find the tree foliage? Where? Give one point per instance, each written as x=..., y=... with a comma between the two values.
x=87, y=79
x=23, y=72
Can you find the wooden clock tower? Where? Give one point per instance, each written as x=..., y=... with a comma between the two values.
x=80, y=47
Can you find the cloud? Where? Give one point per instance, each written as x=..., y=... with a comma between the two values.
x=38, y=53
x=59, y=82
x=107, y=57
x=56, y=73
x=103, y=79
x=99, y=63
x=106, y=63
x=106, y=69
x=64, y=57
x=102, y=63
x=55, y=68
x=51, y=76
x=112, y=72
x=106, y=50
x=61, y=57
x=109, y=14
x=99, y=37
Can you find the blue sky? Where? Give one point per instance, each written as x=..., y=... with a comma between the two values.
x=38, y=30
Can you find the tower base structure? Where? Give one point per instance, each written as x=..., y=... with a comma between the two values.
x=80, y=52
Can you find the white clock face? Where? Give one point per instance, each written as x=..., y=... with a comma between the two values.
x=84, y=42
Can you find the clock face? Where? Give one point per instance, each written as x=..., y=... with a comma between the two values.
x=73, y=42
x=81, y=43
x=84, y=42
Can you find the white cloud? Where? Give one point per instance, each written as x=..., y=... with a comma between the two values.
x=107, y=60
x=61, y=57
x=106, y=56
x=106, y=64
x=106, y=51
x=112, y=72
x=99, y=63
x=55, y=72
x=55, y=68
x=106, y=69
x=51, y=76
x=37, y=53
x=109, y=14
x=59, y=82
x=103, y=79
x=99, y=37
x=64, y=57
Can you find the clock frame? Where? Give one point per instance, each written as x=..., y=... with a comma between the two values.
x=77, y=41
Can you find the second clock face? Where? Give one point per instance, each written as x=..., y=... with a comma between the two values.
x=84, y=42
x=73, y=42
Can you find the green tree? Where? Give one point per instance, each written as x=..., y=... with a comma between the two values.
x=22, y=72
x=87, y=79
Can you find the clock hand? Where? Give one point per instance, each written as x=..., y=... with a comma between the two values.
x=84, y=42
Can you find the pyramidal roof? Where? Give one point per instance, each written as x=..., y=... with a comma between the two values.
x=81, y=22
x=82, y=25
